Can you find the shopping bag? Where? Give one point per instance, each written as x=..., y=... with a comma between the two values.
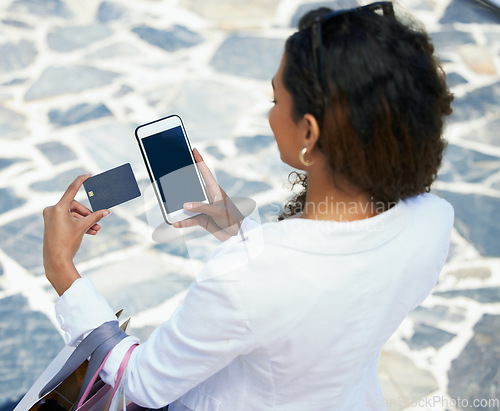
x=104, y=397
x=67, y=388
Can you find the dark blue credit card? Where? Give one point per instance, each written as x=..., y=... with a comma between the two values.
x=112, y=187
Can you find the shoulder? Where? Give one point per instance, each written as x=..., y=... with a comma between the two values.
x=430, y=209
x=239, y=252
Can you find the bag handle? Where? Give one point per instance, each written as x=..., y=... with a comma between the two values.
x=121, y=370
x=84, y=350
x=123, y=367
x=99, y=355
x=91, y=382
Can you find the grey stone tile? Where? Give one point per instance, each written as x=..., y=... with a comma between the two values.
x=178, y=249
x=9, y=200
x=239, y=187
x=78, y=114
x=43, y=7
x=17, y=56
x=426, y=5
x=8, y=405
x=449, y=40
x=7, y=162
x=478, y=59
x=64, y=39
x=488, y=133
x=145, y=294
x=114, y=50
x=214, y=152
x=493, y=38
x=461, y=164
x=58, y=183
x=12, y=124
x=254, y=144
x=465, y=11
x=454, y=79
x=477, y=103
x=435, y=314
x=209, y=109
x=402, y=379
x=194, y=244
x=112, y=144
x=124, y=89
x=233, y=14
x=484, y=295
x=111, y=11
x=139, y=282
x=238, y=53
x=270, y=212
x=425, y=336
x=115, y=235
x=334, y=5
x=22, y=240
x=29, y=343
x=178, y=37
x=496, y=185
x=15, y=82
x=270, y=164
x=17, y=23
x=476, y=220
x=68, y=79
x=480, y=273
x=142, y=333
x=475, y=374
x=455, y=251
x=57, y=152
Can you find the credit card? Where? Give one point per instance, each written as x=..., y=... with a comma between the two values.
x=112, y=187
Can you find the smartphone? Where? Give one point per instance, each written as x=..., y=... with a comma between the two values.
x=171, y=166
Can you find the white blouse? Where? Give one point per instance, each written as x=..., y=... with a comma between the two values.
x=292, y=317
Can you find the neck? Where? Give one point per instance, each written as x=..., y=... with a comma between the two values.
x=334, y=198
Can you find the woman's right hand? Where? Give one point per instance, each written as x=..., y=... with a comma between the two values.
x=221, y=217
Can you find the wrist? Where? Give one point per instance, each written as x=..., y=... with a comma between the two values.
x=61, y=275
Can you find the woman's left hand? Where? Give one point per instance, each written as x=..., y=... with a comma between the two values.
x=65, y=225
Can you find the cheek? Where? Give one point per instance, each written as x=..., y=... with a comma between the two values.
x=274, y=124
x=270, y=117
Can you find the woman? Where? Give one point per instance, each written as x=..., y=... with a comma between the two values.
x=359, y=106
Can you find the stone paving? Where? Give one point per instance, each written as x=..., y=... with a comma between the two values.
x=76, y=78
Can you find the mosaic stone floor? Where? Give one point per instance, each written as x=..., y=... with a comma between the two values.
x=76, y=78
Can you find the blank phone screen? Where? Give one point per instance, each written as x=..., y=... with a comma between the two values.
x=173, y=168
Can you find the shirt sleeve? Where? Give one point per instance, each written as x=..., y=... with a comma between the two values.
x=247, y=225
x=201, y=338
x=80, y=310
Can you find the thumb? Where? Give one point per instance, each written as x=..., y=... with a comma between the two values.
x=94, y=218
x=213, y=210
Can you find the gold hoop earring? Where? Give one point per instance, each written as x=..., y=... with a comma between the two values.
x=303, y=159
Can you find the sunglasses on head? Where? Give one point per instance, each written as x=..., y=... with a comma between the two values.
x=317, y=43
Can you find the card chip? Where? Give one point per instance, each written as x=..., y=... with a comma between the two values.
x=91, y=194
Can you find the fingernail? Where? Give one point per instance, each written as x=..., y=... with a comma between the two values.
x=85, y=174
x=177, y=225
x=106, y=213
x=188, y=206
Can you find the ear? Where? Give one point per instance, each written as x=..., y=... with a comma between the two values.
x=311, y=135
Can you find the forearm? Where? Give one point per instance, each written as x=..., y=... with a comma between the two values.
x=61, y=275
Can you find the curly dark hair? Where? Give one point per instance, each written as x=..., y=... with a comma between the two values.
x=382, y=129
